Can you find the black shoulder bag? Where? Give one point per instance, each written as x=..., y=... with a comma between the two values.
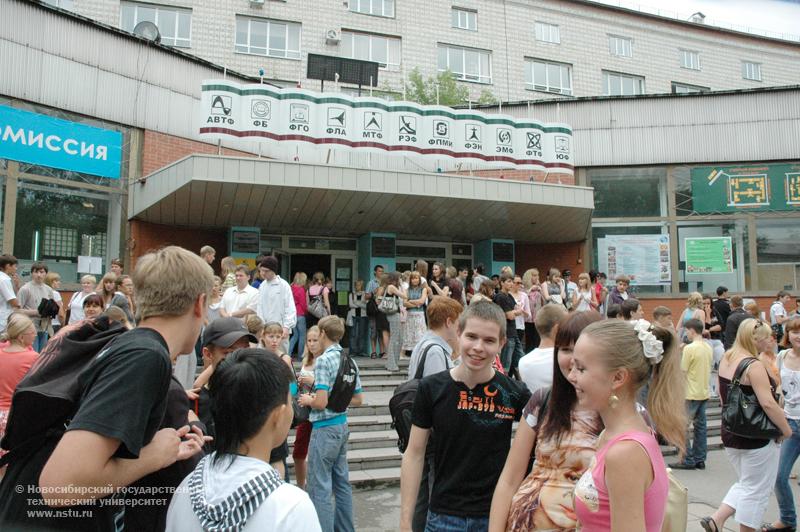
x=743, y=415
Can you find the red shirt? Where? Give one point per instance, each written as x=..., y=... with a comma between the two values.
x=300, y=304
x=13, y=366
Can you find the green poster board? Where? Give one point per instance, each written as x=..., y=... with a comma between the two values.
x=709, y=255
x=774, y=187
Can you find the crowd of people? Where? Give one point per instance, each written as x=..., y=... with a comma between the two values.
x=134, y=433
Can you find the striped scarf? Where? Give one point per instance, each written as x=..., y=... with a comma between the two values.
x=232, y=514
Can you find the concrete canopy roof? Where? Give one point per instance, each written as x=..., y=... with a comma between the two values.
x=305, y=199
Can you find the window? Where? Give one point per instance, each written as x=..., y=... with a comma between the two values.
x=548, y=76
x=468, y=64
x=174, y=25
x=683, y=88
x=690, y=59
x=547, y=33
x=616, y=84
x=778, y=255
x=379, y=8
x=382, y=50
x=464, y=19
x=751, y=70
x=628, y=192
x=620, y=46
x=268, y=37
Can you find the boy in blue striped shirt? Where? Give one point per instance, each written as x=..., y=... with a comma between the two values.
x=328, y=472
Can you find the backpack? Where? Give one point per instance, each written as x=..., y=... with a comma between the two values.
x=48, y=308
x=402, y=403
x=48, y=396
x=344, y=386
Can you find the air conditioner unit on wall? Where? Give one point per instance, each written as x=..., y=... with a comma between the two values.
x=258, y=3
x=332, y=37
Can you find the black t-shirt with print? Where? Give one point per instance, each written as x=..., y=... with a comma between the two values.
x=473, y=437
x=124, y=397
x=507, y=303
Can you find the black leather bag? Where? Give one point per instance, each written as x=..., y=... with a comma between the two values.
x=743, y=414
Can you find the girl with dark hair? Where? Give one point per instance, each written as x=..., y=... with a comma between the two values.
x=564, y=437
x=235, y=488
x=92, y=306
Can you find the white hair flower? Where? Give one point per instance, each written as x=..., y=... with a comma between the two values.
x=652, y=346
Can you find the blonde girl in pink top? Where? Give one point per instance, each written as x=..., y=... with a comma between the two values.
x=625, y=487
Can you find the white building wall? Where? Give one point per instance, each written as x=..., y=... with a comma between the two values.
x=504, y=27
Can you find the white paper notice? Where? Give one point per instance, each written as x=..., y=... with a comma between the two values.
x=93, y=265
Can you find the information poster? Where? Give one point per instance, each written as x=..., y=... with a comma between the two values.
x=643, y=258
x=769, y=187
x=709, y=255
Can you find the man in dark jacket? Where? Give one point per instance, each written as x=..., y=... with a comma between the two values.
x=736, y=317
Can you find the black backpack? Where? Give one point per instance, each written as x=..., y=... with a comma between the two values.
x=49, y=395
x=344, y=386
x=48, y=308
x=402, y=403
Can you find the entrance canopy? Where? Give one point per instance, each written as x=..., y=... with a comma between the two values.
x=306, y=199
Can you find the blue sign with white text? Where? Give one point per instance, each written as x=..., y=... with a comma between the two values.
x=46, y=141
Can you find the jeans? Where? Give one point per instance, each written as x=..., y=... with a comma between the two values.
x=298, y=337
x=454, y=523
x=358, y=335
x=328, y=476
x=511, y=351
x=790, y=450
x=696, y=413
x=40, y=341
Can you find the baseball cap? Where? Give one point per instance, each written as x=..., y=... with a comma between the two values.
x=223, y=332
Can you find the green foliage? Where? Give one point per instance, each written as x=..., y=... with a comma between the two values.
x=487, y=98
x=423, y=91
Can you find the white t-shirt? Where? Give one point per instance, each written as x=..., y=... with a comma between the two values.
x=288, y=508
x=6, y=295
x=777, y=309
x=58, y=299
x=233, y=299
x=536, y=368
x=76, y=306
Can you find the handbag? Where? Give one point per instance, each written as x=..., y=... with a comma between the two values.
x=743, y=415
x=316, y=307
x=676, y=513
x=389, y=305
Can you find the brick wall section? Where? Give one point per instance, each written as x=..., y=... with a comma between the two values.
x=148, y=236
x=161, y=150
x=544, y=256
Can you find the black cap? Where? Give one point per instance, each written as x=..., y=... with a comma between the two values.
x=224, y=332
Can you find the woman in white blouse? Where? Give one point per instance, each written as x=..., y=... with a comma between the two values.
x=88, y=282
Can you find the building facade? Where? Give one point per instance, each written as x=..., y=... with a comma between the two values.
x=510, y=50
x=645, y=167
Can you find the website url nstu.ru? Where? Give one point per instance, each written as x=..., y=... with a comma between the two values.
x=56, y=514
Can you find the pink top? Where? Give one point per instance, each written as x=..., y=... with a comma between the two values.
x=299, y=295
x=591, y=495
x=13, y=366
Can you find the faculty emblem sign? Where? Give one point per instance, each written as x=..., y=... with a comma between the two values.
x=339, y=121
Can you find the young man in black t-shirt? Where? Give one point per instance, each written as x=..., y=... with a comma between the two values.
x=113, y=439
x=471, y=408
x=504, y=299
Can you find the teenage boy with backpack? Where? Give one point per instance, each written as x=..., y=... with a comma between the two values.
x=337, y=385
x=112, y=437
x=471, y=409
